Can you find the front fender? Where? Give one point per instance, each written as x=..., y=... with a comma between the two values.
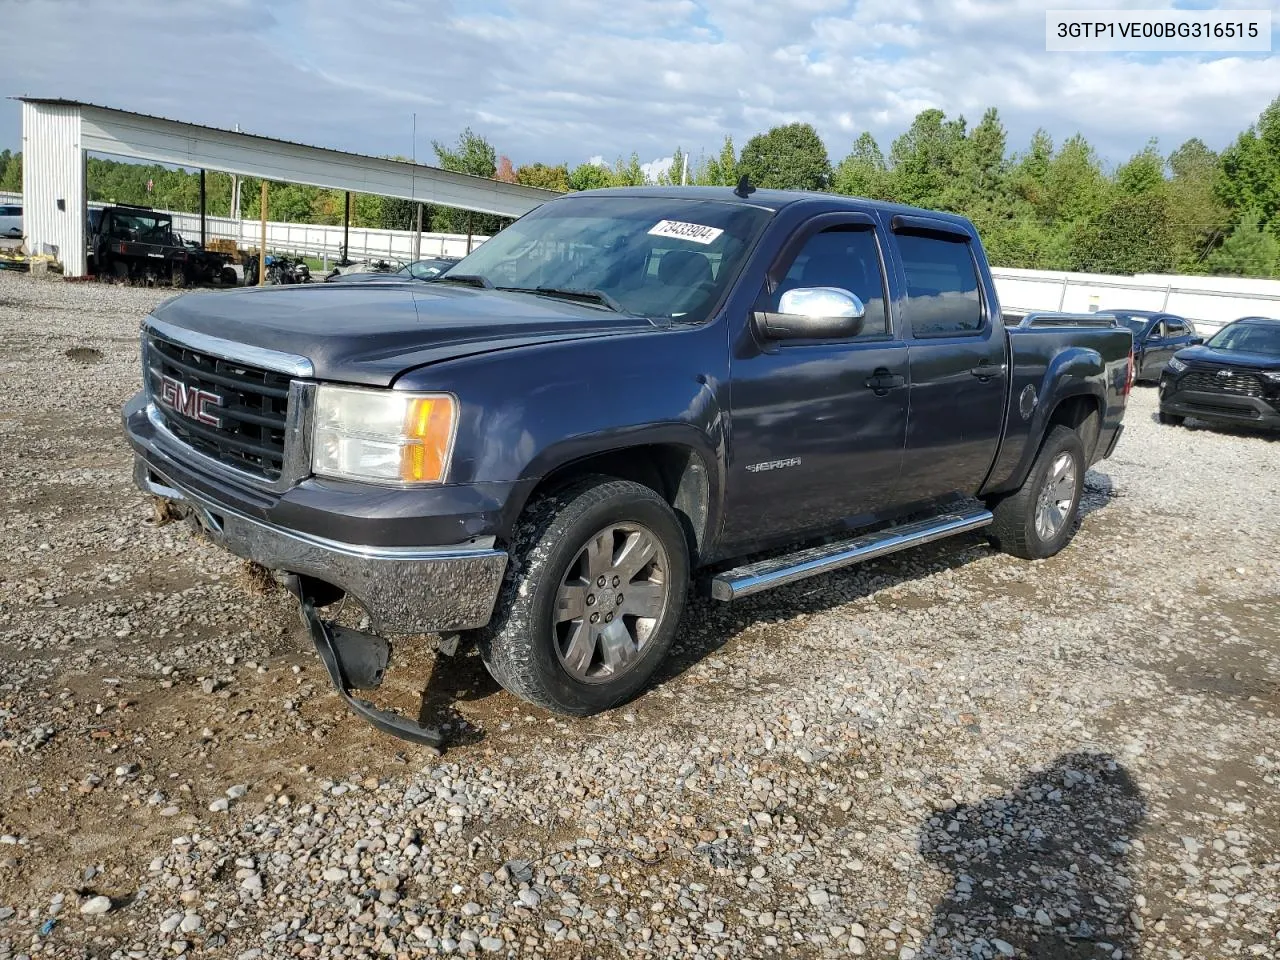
x=526, y=412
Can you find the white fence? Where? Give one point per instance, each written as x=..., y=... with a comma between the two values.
x=1209, y=302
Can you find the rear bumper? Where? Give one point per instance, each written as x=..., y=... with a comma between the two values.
x=1220, y=408
x=404, y=589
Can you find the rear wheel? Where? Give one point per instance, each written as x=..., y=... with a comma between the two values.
x=598, y=578
x=1039, y=519
x=1170, y=419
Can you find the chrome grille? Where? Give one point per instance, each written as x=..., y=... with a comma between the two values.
x=253, y=414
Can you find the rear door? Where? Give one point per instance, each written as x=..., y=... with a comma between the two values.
x=956, y=352
x=818, y=425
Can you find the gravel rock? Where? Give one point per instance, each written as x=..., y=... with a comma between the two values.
x=96, y=905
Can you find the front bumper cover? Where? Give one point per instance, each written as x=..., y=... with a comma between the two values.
x=405, y=590
x=1218, y=408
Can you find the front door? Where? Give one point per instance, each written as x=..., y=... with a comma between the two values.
x=958, y=368
x=1166, y=337
x=818, y=426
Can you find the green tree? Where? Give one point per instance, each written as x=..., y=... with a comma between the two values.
x=1201, y=217
x=721, y=170
x=1143, y=173
x=589, y=176
x=12, y=184
x=1075, y=187
x=985, y=169
x=475, y=155
x=863, y=172
x=1128, y=234
x=628, y=173
x=1249, y=180
x=1249, y=251
x=791, y=157
x=925, y=161
x=1030, y=171
x=544, y=176
x=674, y=173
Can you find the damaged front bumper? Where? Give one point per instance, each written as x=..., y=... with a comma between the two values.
x=403, y=589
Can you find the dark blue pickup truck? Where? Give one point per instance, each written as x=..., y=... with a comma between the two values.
x=624, y=393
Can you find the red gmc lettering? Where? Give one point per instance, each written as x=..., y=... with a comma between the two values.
x=190, y=401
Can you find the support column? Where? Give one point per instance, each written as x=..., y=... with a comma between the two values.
x=262, y=250
x=203, y=237
x=346, y=227
x=54, y=211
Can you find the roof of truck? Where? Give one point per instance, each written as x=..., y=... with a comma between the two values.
x=767, y=199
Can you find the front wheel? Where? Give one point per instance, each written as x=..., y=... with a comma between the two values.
x=598, y=579
x=1038, y=519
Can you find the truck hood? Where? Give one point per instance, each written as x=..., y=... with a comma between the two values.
x=370, y=333
x=1229, y=358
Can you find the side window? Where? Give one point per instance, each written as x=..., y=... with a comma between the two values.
x=942, y=285
x=1175, y=328
x=846, y=258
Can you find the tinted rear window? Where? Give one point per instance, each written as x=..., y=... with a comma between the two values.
x=942, y=285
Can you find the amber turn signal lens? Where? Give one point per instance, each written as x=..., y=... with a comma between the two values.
x=428, y=431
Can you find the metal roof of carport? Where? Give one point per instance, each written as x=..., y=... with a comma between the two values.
x=147, y=137
x=56, y=133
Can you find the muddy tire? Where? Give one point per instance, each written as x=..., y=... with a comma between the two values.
x=597, y=580
x=1039, y=519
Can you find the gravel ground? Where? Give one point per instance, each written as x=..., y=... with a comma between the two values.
x=947, y=753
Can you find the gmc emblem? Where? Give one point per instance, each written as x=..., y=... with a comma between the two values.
x=191, y=402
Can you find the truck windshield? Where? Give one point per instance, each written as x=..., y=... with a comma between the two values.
x=648, y=256
x=142, y=227
x=1261, y=338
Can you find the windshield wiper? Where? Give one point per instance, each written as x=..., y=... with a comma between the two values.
x=470, y=279
x=570, y=293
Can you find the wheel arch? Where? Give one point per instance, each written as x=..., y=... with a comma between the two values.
x=684, y=475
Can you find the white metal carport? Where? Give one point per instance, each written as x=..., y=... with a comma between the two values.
x=57, y=133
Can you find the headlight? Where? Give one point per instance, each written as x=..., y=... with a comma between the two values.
x=1272, y=375
x=386, y=436
x=1176, y=365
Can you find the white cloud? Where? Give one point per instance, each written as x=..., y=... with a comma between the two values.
x=560, y=80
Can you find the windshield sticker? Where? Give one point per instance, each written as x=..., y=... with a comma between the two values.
x=685, y=231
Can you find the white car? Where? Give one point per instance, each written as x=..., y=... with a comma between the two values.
x=10, y=221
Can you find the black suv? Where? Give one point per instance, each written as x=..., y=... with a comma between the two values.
x=1233, y=378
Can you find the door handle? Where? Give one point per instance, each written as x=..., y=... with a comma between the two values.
x=985, y=371
x=882, y=381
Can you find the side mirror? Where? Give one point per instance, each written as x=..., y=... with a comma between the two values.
x=813, y=313
x=1197, y=340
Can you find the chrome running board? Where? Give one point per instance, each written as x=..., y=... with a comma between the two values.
x=775, y=571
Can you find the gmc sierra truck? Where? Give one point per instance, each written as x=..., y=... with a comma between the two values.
x=623, y=393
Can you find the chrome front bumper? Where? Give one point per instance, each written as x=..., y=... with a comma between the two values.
x=404, y=589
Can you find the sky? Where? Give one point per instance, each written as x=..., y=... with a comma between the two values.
x=571, y=80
